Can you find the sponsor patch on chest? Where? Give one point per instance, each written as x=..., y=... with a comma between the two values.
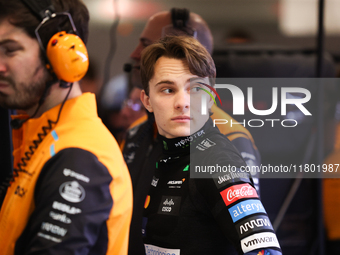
x=170, y=205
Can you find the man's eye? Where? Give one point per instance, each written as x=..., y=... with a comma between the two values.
x=167, y=91
x=10, y=51
x=195, y=89
x=145, y=44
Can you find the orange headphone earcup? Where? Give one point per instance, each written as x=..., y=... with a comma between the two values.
x=68, y=56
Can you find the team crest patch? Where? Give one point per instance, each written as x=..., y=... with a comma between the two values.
x=72, y=192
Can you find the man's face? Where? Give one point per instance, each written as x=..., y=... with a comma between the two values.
x=151, y=33
x=133, y=108
x=175, y=99
x=22, y=73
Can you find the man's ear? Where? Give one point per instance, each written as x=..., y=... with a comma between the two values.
x=146, y=100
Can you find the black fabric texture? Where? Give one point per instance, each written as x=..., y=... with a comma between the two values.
x=83, y=220
x=190, y=214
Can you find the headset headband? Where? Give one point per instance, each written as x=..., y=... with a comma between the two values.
x=66, y=55
x=179, y=20
x=41, y=8
x=51, y=17
x=179, y=17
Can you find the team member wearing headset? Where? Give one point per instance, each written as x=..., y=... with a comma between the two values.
x=70, y=192
x=187, y=212
x=141, y=146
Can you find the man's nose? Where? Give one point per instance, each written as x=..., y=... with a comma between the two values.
x=3, y=66
x=136, y=54
x=182, y=100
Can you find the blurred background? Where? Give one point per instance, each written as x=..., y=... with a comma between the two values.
x=289, y=23
x=290, y=28
x=296, y=207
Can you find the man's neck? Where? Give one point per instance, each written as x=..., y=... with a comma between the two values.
x=55, y=96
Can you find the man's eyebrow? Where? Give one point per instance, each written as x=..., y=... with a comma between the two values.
x=8, y=41
x=197, y=79
x=165, y=82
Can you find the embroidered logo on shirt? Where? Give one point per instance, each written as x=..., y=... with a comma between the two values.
x=60, y=217
x=69, y=172
x=72, y=191
x=152, y=249
x=263, y=252
x=65, y=208
x=205, y=144
x=154, y=181
x=253, y=224
x=54, y=229
x=236, y=192
x=175, y=184
x=165, y=145
x=245, y=208
x=170, y=205
x=258, y=241
x=189, y=139
x=20, y=191
x=224, y=179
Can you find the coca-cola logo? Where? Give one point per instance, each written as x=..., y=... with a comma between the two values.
x=242, y=192
x=237, y=192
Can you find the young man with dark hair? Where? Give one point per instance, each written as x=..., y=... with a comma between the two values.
x=187, y=212
x=141, y=146
x=70, y=192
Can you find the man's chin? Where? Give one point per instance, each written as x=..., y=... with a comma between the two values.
x=183, y=132
x=21, y=106
x=5, y=103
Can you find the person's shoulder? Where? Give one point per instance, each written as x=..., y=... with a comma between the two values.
x=79, y=121
x=133, y=129
x=136, y=126
x=88, y=134
x=142, y=120
x=212, y=140
x=141, y=130
x=86, y=130
x=228, y=125
x=215, y=147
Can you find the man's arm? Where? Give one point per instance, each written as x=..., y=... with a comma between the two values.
x=234, y=202
x=72, y=205
x=241, y=138
x=240, y=215
x=250, y=154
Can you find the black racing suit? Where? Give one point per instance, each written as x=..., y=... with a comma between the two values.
x=141, y=150
x=221, y=214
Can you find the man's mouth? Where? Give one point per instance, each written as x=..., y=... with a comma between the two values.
x=181, y=118
x=3, y=84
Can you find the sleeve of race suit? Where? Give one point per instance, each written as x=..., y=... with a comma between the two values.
x=234, y=202
x=72, y=205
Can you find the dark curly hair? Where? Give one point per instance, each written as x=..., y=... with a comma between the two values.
x=19, y=15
